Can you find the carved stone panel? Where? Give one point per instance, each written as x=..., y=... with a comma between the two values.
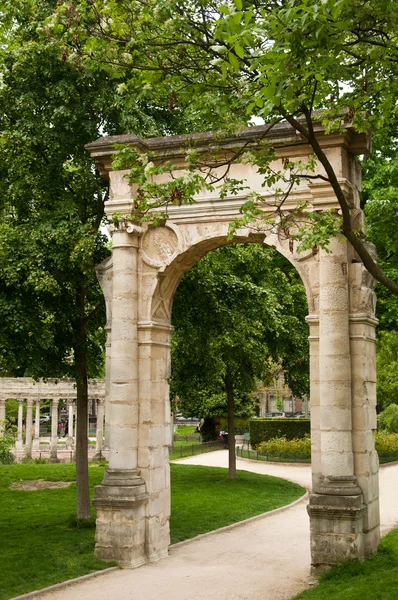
x=159, y=246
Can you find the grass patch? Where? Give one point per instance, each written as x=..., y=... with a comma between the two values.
x=42, y=543
x=376, y=578
x=185, y=429
x=39, y=546
x=204, y=499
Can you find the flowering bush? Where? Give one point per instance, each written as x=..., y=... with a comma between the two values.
x=282, y=446
x=386, y=444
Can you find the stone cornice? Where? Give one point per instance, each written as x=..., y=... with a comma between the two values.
x=282, y=135
x=21, y=388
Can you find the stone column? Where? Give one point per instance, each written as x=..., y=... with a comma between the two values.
x=363, y=366
x=29, y=426
x=316, y=464
x=19, y=442
x=2, y=416
x=54, y=431
x=155, y=432
x=108, y=358
x=36, y=440
x=120, y=500
x=69, y=439
x=336, y=504
x=100, y=429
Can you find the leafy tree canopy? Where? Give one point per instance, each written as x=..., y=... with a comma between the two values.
x=224, y=62
x=387, y=368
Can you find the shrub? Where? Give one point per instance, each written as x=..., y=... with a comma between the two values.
x=262, y=430
x=386, y=443
x=388, y=419
x=280, y=446
x=6, y=443
x=241, y=424
x=27, y=460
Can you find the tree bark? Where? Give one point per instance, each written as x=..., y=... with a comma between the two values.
x=82, y=483
x=229, y=387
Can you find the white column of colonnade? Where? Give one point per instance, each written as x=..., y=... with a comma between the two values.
x=19, y=442
x=28, y=427
x=69, y=433
x=100, y=428
x=122, y=479
x=36, y=439
x=54, y=431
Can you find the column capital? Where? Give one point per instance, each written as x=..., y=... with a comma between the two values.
x=125, y=234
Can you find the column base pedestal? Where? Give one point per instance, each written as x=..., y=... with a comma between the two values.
x=336, y=513
x=121, y=519
x=98, y=456
x=53, y=454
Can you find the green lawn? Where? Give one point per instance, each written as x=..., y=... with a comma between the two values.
x=40, y=544
x=373, y=579
x=203, y=498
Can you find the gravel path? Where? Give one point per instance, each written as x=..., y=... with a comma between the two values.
x=266, y=559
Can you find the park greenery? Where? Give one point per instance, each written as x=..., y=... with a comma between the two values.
x=51, y=204
x=239, y=311
x=221, y=64
x=39, y=527
x=282, y=448
x=72, y=71
x=388, y=419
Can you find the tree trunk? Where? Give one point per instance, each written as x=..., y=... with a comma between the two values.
x=231, y=425
x=82, y=484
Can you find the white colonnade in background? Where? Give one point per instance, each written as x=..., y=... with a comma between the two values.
x=30, y=437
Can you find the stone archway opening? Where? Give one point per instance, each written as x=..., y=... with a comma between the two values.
x=238, y=319
x=133, y=503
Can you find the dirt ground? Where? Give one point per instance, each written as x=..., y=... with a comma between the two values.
x=38, y=484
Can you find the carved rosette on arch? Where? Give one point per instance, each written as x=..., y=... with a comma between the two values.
x=160, y=245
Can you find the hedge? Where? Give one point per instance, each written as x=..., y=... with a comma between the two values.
x=241, y=424
x=262, y=430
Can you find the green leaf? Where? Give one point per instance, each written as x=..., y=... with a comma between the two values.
x=233, y=60
x=239, y=50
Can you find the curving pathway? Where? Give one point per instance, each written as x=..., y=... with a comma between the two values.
x=265, y=559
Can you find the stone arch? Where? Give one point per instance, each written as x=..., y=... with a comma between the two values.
x=169, y=275
x=133, y=504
